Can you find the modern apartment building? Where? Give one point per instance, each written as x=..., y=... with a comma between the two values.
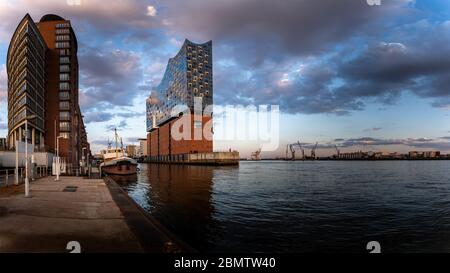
x=55, y=88
x=26, y=84
x=188, y=75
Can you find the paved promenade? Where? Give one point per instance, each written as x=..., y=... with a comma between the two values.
x=58, y=213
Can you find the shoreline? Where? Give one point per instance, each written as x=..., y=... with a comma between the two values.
x=94, y=212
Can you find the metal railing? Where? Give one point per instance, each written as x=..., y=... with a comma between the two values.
x=8, y=177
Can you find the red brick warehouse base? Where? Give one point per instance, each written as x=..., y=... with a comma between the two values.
x=160, y=141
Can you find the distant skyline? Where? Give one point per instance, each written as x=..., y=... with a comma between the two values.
x=363, y=77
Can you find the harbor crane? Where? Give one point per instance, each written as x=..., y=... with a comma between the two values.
x=292, y=148
x=313, y=151
x=338, y=152
x=256, y=156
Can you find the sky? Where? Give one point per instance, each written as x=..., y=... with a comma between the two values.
x=342, y=72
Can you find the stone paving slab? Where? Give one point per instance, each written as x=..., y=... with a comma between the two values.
x=51, y=218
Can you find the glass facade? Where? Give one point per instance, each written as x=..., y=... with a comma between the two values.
x=26, y=81
x=188, y=75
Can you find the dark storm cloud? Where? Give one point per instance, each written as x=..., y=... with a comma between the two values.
x=348, y=80
x=265, y=28
x=353, y=53
x=115, y=17
x=109, y=77
x=374, y=58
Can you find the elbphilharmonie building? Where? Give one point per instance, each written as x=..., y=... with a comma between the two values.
x=189, y=75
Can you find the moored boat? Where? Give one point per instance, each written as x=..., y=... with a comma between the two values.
x=116, y=161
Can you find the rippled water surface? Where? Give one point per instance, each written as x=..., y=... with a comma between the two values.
x=324, y=206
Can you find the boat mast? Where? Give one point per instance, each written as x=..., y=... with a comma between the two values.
x=121, y=147
x=115, y=135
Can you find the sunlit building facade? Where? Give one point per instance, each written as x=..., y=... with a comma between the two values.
x=26, y=84
x=188, y=75
x=43, y=63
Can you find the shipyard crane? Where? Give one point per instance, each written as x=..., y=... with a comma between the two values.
x=256, y=156
x=338, y=152
x=313, y=151
x=292, y=148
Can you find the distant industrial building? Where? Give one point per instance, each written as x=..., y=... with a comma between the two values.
x=131, y=151
x=42, y=66
x=424, y=154
x=143, y=149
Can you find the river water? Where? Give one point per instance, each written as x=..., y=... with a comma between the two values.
x=291, y=207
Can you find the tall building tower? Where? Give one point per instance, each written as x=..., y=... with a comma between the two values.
x=188, y=75
x=62, y=115
x=57, y=69
x=26, y=84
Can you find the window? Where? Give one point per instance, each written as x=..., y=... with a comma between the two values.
x=62, y=37
x=64, y=126
x=22, y=102
x=64, y=25
x=64, y=52
x=64, y=135
x=64, y=68
x=64, y=60
x=64, y=95
x=64, y=105
x=62, y=44
x=64, y=77
x=63, y=31
x=64, y=115
x=64, y=86
x=23, y=88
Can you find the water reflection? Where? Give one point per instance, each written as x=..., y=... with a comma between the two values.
x=179, y=196
x=306, y=206
x=125, y=180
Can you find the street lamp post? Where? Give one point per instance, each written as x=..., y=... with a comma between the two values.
x=58, y=168
x=27, y=182
x=84, y=159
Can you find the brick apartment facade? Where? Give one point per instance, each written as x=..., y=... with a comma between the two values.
x=62, y=115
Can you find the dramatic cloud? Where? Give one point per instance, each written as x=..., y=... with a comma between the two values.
x=107, y=19
x=424, y=143
x=130, y=114
x=109, y=77
x=97, y=117
x=258, y=29
x=121, y=126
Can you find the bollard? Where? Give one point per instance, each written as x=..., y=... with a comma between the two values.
x=6, y=178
